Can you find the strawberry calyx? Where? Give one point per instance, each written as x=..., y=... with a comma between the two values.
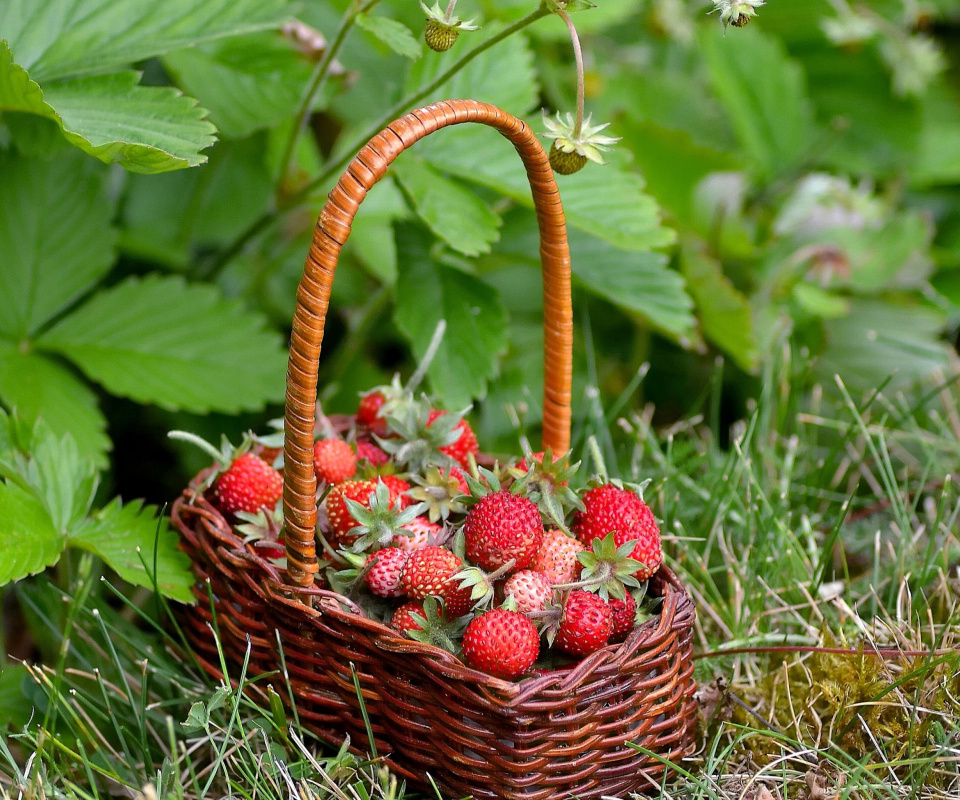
x=436, y=628
x=441, y=491
x=607, y=569
x=545, y=480
x=378, y=524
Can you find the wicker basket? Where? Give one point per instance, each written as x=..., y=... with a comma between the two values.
x=561, y=733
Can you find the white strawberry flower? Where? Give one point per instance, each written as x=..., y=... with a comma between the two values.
x=736, y=13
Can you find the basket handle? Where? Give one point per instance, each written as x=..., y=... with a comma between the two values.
x=313, y=296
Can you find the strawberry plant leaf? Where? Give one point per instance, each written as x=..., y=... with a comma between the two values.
x=112, y=117
x=453, y=213
x=475, y=337
x=764, y=94
x=31, y=542
x=60, y=38
x=724, y=312
x=55, y=237
x=247, y=82
x=159, y=340
x=393, y=34
x=123, y=535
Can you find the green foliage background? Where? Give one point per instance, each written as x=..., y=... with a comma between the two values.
x=796, y=180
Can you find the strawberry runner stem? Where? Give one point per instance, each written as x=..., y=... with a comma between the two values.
x=578, y=54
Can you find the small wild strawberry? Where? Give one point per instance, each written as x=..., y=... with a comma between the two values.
x=530, y=590
x=333, y=460
x=383, y=573
x=367, y=451
x=557, y=558
x=624, y=612
x=339, y=516
x=573, y=146
x=564, y=162
x=428, y=573
x=501, y=643
x=422, y=533
x=368, y=413
x=248, y=484
x=586, y=625
x=403, y=620
x=465, y=445
x=500, y=527
x=443, y=29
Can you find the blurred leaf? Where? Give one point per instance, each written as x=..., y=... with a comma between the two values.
x=37, y=386
x=882, y=338
x=55, y=238
x=819, y=302
x=159, y=340
x=454, y=214
x=724, y=312
x=764, y=93
x=476, y=326
x=123, y=535
x=112, y=117
x=393, y=34
x=60, y=38
x=247, y=82
x=15, y=706
x=938, y=160
x=31, y=543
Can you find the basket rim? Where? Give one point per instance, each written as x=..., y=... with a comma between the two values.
x=274, y=588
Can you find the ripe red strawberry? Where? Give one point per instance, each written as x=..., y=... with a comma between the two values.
x=586, y=625
x=423, y=532
x=623, y=615
x=338, y=513
x=367, y=451
x=427, y=573
x=608, y=508
x=383, y=577
x=556, y=559
x=368, y=410
x=248, y=484
x=501, y=643
x=530, y=590
x=466, y=444
x=402, y=620
x=500, y=527
x=333, y=460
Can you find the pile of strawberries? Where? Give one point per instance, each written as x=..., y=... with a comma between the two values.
x=504, y=564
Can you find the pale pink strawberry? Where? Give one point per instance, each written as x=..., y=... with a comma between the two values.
x=530, y=590
x=368, y=451
x=385, y=568
x=556, y=559
x=423, y=532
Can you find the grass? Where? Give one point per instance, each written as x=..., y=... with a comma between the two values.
x=821, y=545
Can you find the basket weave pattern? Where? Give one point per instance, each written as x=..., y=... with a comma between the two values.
x=561, y=733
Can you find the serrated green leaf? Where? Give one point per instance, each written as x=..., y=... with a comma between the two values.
x=247, y=82
x=31, y=543
x=63, y=480
x=123, y=535
x=724, y=312
x=476, y=325
x=159, y=340
x=55, y=237
x=112, y=117
x=395, y=35
x=37, y=386
x=58, y=38
x=880, y=338
x=453, y=213
x=764, y=94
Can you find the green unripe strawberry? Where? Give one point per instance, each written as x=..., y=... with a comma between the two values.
x=564, y=163
x=438, y=36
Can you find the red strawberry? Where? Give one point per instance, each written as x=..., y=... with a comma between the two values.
x=556, y=559
x=608, y=508
x=248, y=484
x=530, y=590
x=338, y=514
x=402, y=620
x=586, y=625
x=623, y=615
x=501, y=643
x=428, y=571
x=383, y=577
x=368, y=410
x=333, y=460
x=466, y=444
x=500, y=527
x=423, y=533
x=367, y=451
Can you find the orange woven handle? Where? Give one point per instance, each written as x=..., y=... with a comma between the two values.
x=313, y=296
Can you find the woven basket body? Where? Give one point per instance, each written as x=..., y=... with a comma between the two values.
x=583, y=731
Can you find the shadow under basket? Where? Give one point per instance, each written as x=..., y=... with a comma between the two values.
x=605, y=725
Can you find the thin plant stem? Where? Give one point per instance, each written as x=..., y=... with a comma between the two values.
x=316, y=82
x=449, y=15
x=302, y=195
x=578, y=54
